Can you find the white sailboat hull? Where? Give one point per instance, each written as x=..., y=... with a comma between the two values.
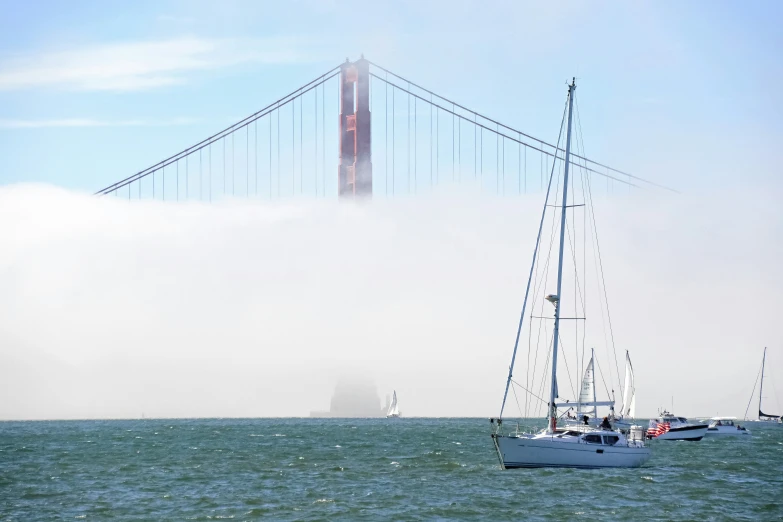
x=765, y=423
x=551, y=452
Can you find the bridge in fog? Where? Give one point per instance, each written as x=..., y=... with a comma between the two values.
x=392, y=137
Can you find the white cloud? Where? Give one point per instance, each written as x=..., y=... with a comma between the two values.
x=87, y=122
x=132, y=66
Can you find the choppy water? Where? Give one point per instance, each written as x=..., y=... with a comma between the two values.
x=410, y=469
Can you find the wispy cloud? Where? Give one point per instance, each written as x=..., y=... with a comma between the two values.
x=132, y=66
x=86, y=122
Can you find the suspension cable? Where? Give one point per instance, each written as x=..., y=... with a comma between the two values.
x=515, y=130
x=228, y=130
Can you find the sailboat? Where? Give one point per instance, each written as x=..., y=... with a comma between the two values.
x=586, y=405
x=765, y=418
x=394, y=411
x=628, y=409
x=578, y=446
x=586, y=409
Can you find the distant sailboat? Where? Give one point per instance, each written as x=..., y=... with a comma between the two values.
x=628, y=409
x=586, y=406
x=394, y=411
x=765, y=418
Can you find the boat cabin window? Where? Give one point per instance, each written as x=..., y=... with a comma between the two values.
x=592, y=439
x=681, y=419
x=611, y=440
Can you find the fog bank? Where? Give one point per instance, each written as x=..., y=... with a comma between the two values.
x=110, y=308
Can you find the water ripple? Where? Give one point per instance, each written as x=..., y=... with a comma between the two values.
x=304, y=469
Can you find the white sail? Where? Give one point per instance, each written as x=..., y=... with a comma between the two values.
x=629, y=390
x=393, y=409
x=587, y=393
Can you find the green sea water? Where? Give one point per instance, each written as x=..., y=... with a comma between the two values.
x=333, y=469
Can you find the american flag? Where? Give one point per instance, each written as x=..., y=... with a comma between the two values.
x=659, y=429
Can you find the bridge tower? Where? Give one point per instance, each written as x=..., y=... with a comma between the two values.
x=354, y=176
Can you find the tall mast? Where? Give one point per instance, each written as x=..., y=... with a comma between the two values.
x=761, y=387
x=556, y=300
x=592, y=358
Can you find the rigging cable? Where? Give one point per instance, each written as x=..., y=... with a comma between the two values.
x=529, y=392
x=315, y=140
x=568, y=370
x=752, y=393
x=601, y=265
x=301, y=142
x=540, y=283
x=293, y=148
x=598, y=364
x=247, y=161
x=386, y=137
x=527, y=290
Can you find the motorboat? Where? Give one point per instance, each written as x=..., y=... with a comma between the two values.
x=726, y=427
x=672, y=427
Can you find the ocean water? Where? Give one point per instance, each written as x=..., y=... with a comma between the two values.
x=326, y=469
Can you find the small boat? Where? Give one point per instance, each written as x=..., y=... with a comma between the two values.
x=628, y=409
x=726, y=427
x=671, y=427
x=569, y=446
x=764, y=418
x=394, y=411
x=586, y=410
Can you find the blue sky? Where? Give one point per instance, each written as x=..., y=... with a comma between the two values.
x=680, y=93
